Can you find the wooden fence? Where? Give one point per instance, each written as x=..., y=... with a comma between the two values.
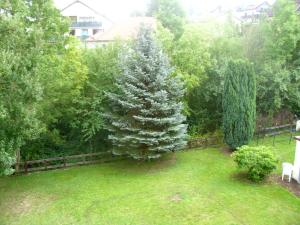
x=65, y=161
x=101, y=157
x=92, y=158
x=204, y=142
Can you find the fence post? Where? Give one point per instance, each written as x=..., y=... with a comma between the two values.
x=65, y=165
x=26, y=167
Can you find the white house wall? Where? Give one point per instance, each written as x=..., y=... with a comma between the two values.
x=80, y=10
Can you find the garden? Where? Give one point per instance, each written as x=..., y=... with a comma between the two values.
x=199, y=186
x=185, y=123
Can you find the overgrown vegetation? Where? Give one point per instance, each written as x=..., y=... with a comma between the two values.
x=52, y=98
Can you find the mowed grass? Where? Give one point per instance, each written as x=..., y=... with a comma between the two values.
x=283, y=147
x=189, y=187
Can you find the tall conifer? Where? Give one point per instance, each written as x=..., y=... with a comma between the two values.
x=146, y=111
x=239, y=103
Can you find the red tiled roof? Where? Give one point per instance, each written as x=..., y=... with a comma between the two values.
x=123, y=30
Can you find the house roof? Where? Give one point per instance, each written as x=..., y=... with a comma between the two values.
x=85, y=5
x=253, y=7
x=124, y=30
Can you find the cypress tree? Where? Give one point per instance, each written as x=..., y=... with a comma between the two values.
x=146, y=118
x=239, y=103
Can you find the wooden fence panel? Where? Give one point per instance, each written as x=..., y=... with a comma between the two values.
x=92, y=158
x=62, y=162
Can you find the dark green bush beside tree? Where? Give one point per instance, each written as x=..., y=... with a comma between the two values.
x=146, y=117
x=239, y=103
x=259, y=161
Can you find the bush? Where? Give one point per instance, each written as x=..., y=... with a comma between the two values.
x=260, y=161
x=7, y=157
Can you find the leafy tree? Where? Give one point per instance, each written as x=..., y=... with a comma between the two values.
x=191, y=55
x=102, y=66
x=283, y=31
x=293, y=94
x=63, y=86
x=273, y=46
x=146, y=117
x=30, y=31
x=169, y=13
x=239, y=103
x=204, y=98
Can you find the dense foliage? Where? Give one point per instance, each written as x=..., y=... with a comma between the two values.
x=145, y=118
x=103, y=67
x=32, y=41
x=52, y=98
x=239, y=104
x=259, y=161
x=169, y=13
x=273, y=46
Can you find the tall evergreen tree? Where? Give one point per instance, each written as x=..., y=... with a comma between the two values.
x=146, y=118
x=239, y=103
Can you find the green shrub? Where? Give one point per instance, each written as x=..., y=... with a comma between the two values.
x=260, y=161
x=7, y=157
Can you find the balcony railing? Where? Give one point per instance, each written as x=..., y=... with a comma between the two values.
x=86, y=24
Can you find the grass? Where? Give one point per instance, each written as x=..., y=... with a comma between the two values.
x=284, y=149
x=192, y=187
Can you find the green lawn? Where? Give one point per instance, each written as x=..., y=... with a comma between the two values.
x=283, y=149
x=191, y=187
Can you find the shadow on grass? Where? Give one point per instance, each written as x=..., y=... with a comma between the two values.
x=130, y=165
x=242, y=176
x=226, y=150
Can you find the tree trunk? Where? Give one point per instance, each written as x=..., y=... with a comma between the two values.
x=17, y=160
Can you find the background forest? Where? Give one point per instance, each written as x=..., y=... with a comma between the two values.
x=53, y=97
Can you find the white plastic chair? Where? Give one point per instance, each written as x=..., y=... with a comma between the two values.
x=298, y=125
x=287, y=170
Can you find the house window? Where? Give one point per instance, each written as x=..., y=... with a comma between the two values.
x=73, y=19
x=95, y=31
x=86, y=19
x=72, y=32
x=84, y=32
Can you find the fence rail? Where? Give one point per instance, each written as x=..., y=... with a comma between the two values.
x=203, y=142
x=101, y=157
x=63, y=162
x=92, y=158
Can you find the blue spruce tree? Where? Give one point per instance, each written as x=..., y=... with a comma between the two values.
x=146, y=118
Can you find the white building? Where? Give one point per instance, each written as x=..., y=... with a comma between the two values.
x=239, y=15
x=252, y=13
x=85, y=21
